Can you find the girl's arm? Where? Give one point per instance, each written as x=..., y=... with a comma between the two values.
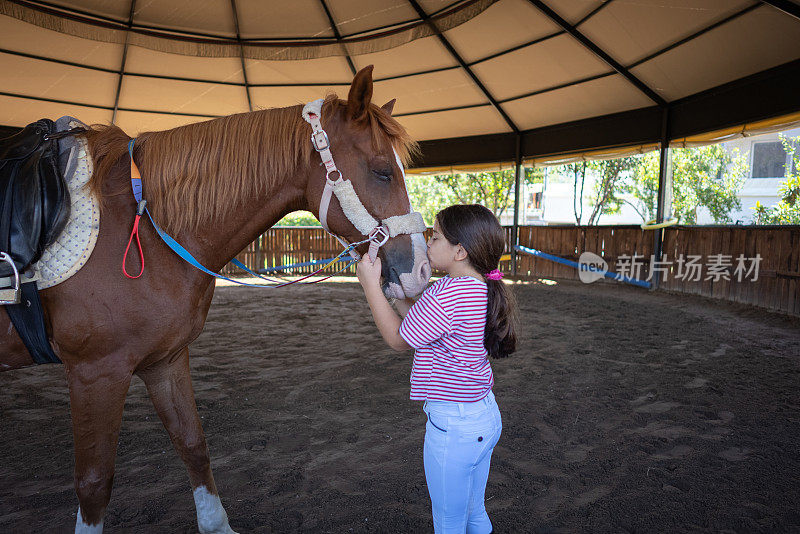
x=403, y=305
x=386, y=319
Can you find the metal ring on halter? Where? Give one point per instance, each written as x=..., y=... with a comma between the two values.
x=328, y=175
x=374, y=233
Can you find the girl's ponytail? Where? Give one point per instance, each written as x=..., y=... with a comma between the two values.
x=477, y=229
x=500, y=339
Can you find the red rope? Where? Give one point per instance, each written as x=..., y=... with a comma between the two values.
x=135, y=232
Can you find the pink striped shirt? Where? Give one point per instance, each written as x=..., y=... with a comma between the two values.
x=446, y=327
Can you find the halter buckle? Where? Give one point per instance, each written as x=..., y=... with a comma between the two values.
x=320, y=141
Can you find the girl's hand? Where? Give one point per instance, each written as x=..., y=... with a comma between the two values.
x=369, y=273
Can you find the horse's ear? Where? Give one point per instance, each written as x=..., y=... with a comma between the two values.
x=360, y=94
x=389, y=106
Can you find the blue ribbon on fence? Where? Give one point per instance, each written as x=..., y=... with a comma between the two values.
x=614, y=276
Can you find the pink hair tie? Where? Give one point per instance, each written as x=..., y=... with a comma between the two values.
x=494, y=275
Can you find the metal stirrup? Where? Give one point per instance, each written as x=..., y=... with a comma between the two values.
x=10, y=295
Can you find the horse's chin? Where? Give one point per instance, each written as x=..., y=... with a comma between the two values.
x=393, y=291
x=411, y=287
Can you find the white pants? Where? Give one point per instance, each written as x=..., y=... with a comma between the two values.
x=459, y=440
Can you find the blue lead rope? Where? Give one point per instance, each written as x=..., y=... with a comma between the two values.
x=136, y=186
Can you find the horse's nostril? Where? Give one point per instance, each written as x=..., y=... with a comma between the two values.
x=424, y=269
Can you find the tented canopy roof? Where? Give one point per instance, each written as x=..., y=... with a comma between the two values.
x=472, y=78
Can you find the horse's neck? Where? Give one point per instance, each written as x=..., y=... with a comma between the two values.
x=230, y=233
x=230, y=229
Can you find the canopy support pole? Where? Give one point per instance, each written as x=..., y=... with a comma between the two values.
x=122, y=64
x=241, y=54
x=600, y=53
x=786, y=6
x=662, y=193
x=517, y=179
x=338, y=36
x=442, y=39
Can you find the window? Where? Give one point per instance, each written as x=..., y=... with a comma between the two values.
x=769, y=160
x=535, y=201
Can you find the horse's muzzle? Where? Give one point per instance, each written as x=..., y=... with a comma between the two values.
x=406, y=269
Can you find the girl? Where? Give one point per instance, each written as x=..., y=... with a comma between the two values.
x=457, y=323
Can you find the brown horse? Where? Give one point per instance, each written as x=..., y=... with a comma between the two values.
x=215, y=186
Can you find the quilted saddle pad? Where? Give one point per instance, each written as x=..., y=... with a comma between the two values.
x=73, y=247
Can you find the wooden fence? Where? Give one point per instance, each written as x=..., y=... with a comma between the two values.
x=777, y=285
x=758, y=265
x=713, y=261
x=568, y=242
x=284, y=245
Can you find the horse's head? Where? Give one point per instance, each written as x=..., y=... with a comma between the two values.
x=368, y=147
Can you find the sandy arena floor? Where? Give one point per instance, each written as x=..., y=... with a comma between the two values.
x=623, y=411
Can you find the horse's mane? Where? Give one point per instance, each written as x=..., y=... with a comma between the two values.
x=195, y=172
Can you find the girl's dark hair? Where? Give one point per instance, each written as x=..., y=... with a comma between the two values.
x=475, y=228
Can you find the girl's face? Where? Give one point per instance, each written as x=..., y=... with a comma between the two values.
x=441, y=253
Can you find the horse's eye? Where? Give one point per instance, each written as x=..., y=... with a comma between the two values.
x=383, y=174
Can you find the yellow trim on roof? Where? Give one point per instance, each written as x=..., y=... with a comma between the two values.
x=775, y=124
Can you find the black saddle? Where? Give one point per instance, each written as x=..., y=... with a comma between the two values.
x=34, y=209
x=34, y=199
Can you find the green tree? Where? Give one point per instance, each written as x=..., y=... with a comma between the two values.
x=642, y=185
x=607, y=195
x=787, y=210
x=578, y=171
x=428, y=195
x=491, y=189
x=431, y=193
x=708, y=176
x=533, y=175
x=299, y=218
x=609, y=185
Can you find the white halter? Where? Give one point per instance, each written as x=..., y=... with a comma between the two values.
x=377, y=234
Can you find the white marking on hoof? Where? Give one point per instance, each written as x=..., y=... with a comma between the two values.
x=211, y=516
x=83, y=528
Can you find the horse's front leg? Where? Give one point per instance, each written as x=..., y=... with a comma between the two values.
x=170, y=387
x=97, y=397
